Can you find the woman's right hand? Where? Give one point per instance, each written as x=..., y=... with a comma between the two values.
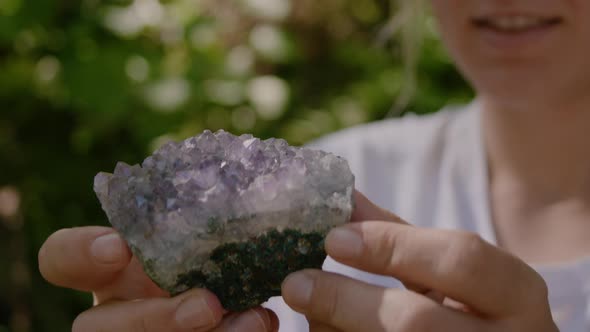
x=97, y=260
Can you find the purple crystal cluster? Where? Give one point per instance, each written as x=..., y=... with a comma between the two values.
x=192, y=197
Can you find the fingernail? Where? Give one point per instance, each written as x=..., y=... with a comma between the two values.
x=108, y=248
x=194, y=313
x=251, y=321
x=344, y=243
x=297, y=289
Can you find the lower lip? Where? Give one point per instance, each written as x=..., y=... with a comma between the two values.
x=520, y=40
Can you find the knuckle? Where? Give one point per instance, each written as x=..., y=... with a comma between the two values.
x=471, y=243
x=324, y=298
x=151, y=315
x=466, y=252
x=141, y=324
x=396, y=260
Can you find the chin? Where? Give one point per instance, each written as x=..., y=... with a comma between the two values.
x=532, y=88
x=517, y=86
x=516, y=95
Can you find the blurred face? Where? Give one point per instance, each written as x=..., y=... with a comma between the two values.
x=520, y=51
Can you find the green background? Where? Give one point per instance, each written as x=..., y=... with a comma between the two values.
x=84, y=84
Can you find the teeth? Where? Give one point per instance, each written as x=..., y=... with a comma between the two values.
x=513, y=23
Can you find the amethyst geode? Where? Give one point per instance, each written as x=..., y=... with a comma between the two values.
x=231, y=214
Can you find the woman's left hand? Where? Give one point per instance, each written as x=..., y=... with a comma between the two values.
x=456, y=282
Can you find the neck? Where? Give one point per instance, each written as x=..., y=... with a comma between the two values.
x=540, y=152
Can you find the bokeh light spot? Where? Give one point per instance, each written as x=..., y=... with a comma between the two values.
x=240, y=60
x=269, y=42
x=225, y=92
x=203, y=36
x=137, y=68
x=168, y=95
x=47, y=69
x=9, y=202
x=269, y=96
x=276, y=10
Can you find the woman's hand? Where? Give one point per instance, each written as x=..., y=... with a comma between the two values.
x=97, y=260
x=457, y=282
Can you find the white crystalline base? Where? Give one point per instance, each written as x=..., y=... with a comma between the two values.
x=189, y=250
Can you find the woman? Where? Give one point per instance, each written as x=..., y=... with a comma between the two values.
x=512, y=167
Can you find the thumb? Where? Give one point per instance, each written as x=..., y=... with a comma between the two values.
x=83, y=258
x=364, y=210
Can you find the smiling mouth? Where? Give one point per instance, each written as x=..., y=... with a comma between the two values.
x=514, y=24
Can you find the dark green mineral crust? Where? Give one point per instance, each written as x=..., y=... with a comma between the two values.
x=252, y=272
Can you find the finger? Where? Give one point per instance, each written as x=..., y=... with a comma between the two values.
x=83, y=258
x=315, y=326
x=274, y=321
x=458, y=264
x=255, y=320
x=351, y=305
x=131, y=284
x=364, y=209
x=196, y=310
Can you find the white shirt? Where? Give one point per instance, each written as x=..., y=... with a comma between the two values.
x=431, y=171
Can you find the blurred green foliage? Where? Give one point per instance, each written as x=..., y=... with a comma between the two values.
x=86, y=83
